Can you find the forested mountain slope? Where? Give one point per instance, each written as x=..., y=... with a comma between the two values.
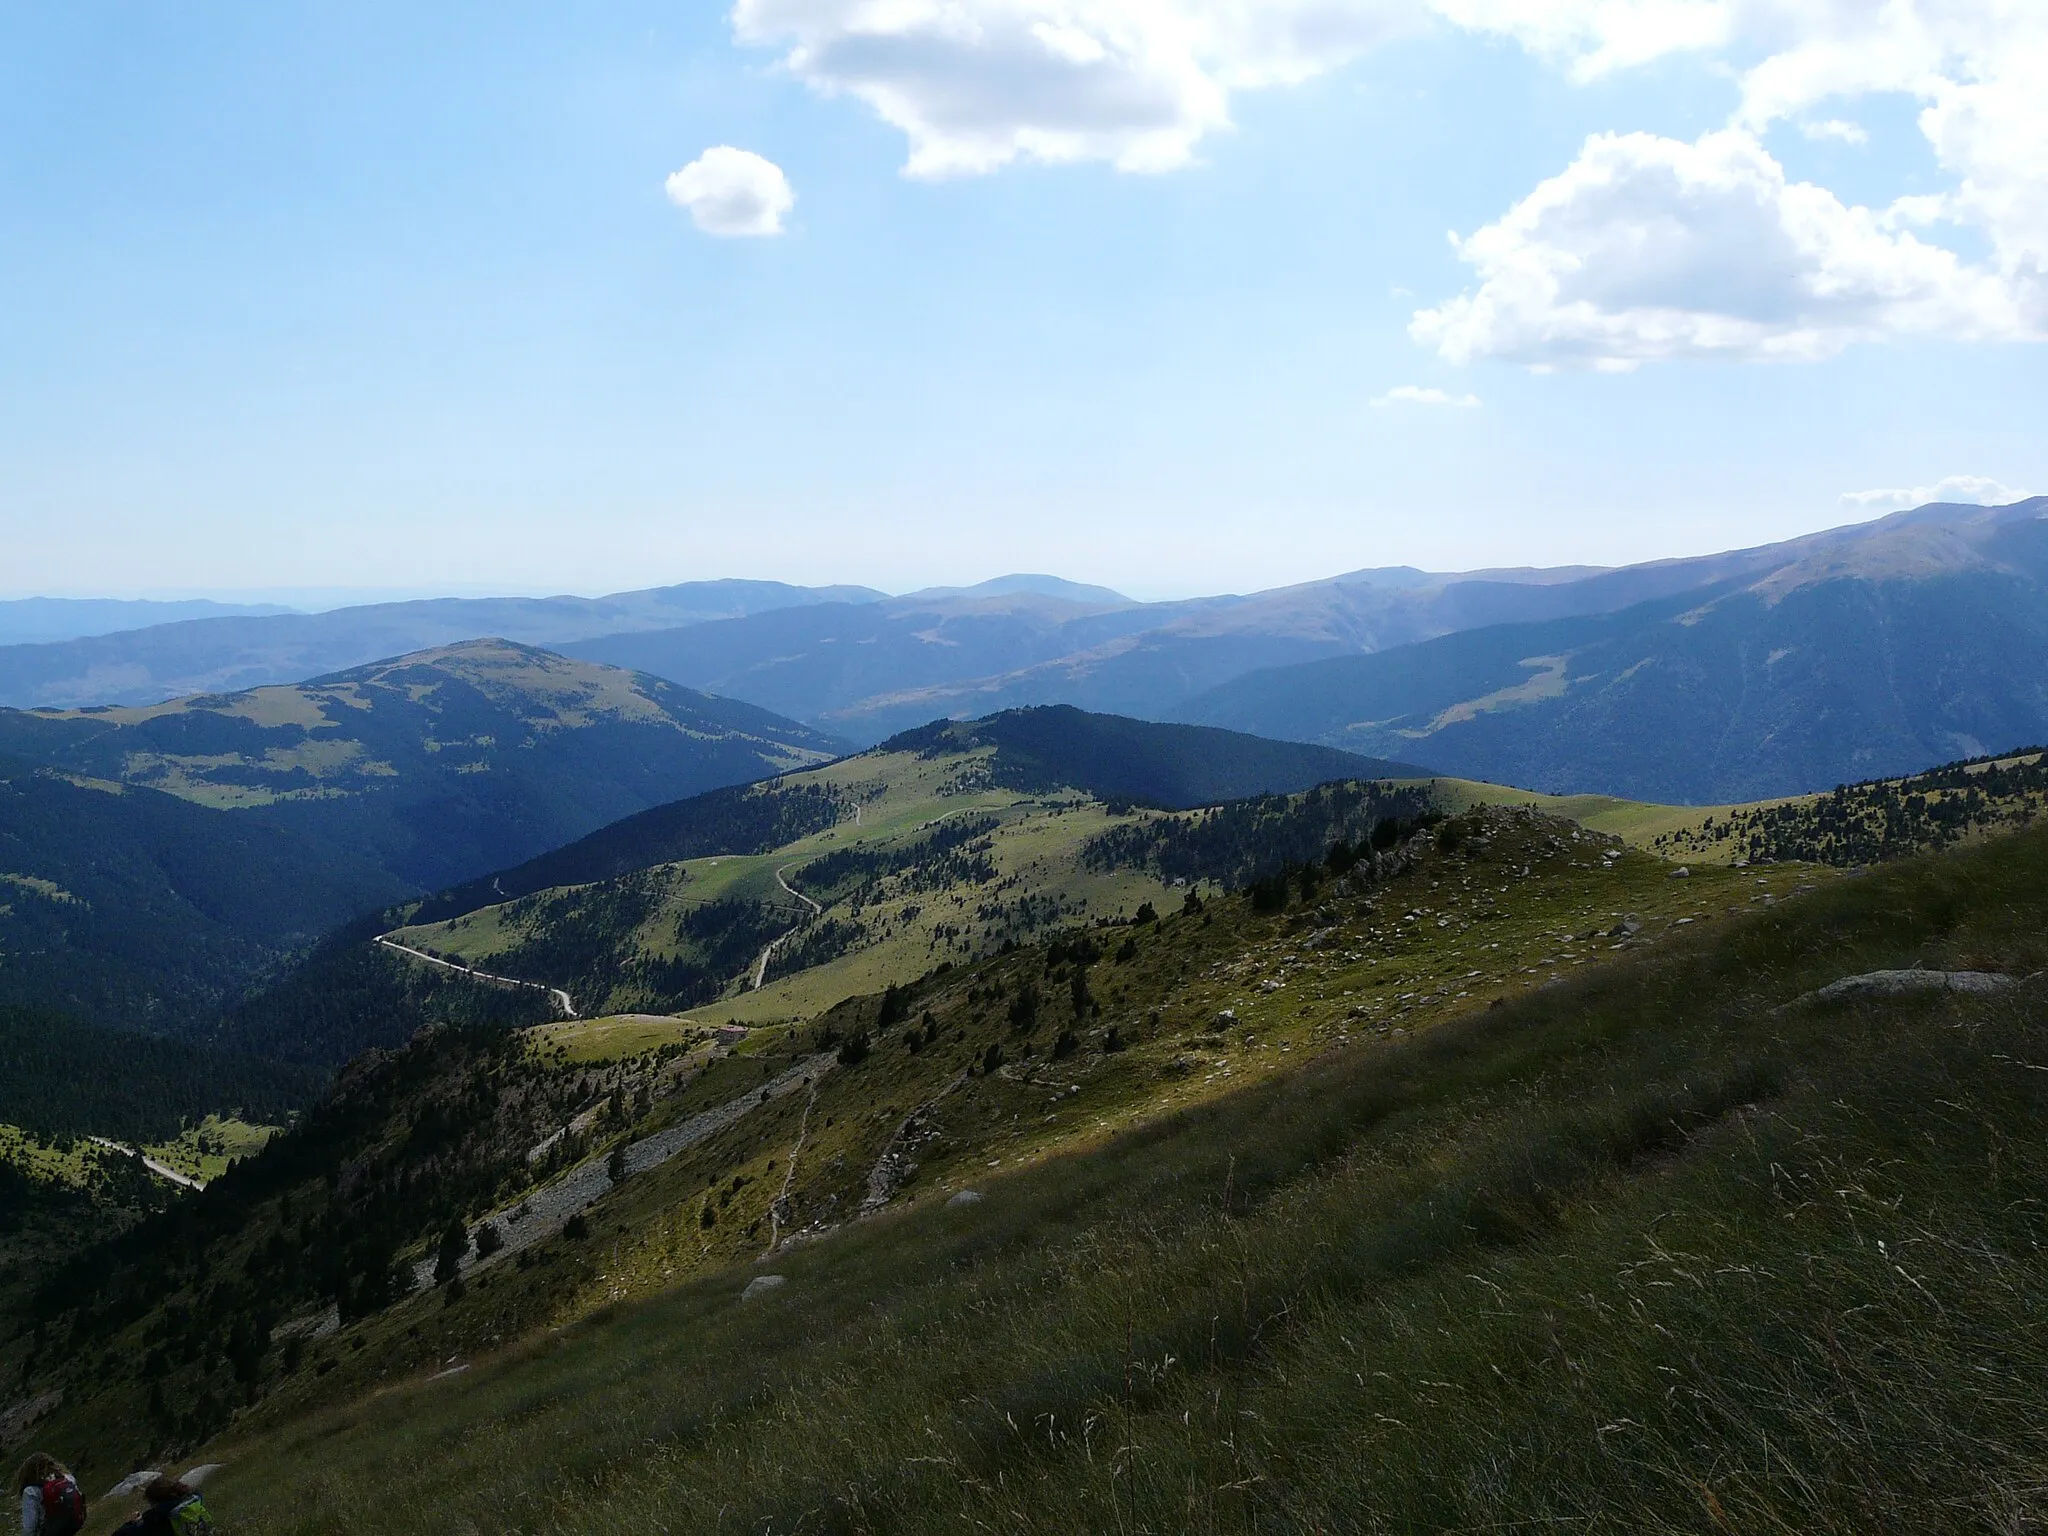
x=1859, y=661
x=440, y=765
x=133, y=908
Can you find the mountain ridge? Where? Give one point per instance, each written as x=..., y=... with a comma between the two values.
x=231, y=654
x=440, y=764
x=1833, y=660
x=898, y=662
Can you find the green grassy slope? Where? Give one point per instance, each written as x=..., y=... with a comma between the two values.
x=1658, y=1247
x=439, y=765
x=1863, y=823
x=944, y=843
x=1469, y=1052
x=1038, y=1054
x=940, y=863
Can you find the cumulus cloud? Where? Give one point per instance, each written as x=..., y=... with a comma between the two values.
x=733, y=192
x=1648, y=248
x=978, y=84
x=1977, y=67
x=1593, y=267
x=1975, y=490
x=1417, y=394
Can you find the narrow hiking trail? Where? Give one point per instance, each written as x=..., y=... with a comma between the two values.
x=161, y=1170
x=556, y=993
x=779, y=1206
x=761, y=965
x=542, y=1213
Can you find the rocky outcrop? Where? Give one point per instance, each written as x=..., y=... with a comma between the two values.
x=1912, y=983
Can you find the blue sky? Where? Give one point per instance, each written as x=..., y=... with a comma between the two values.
x=1158, y=293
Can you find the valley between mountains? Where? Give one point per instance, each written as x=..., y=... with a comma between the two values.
x=489, y=1089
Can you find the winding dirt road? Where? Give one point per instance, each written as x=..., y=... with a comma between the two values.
x=556, y=993
x=761, y=965
x=159, y=1169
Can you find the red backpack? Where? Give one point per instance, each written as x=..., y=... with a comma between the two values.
x=63, y=1506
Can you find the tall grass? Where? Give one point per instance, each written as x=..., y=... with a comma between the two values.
x=1643, y=1252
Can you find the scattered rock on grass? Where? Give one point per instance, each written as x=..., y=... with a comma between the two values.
x=762, y=1285
x=1903, y=983
x=965, y=1197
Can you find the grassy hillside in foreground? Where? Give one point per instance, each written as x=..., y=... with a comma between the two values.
x=1046, y=1051
x=440, y=765
x=1663, y=1247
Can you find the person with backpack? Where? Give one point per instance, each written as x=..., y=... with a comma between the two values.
x=51, y=1504
x=174, y=1510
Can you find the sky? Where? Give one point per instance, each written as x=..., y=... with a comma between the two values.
x=1178, y=296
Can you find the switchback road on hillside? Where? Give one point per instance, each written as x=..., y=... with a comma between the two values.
x=557, y=993
x=816, y=910
x=159, y=1169
x=761, y=965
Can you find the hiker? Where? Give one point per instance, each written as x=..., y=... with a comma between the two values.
x=174, y=1510
x=51, y=1504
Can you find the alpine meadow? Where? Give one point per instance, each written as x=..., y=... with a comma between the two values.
x=847, y=770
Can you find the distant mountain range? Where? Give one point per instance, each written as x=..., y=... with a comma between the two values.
x=29, y=620
x=1879, y=648
x=437, y=766
x=225, y=654
x=1848, y=655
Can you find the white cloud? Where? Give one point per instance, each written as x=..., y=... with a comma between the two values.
x=978, y=84
x=1976, y=490
x=1975, y=65
x=1416, y=394
x=1648, y=248
x=733, y=192
x=1836, y=130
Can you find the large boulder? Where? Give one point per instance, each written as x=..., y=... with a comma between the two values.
x=1908, y=983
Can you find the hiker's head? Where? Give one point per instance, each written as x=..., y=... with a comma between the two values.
x=39, y=1468
x=165, y=1490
